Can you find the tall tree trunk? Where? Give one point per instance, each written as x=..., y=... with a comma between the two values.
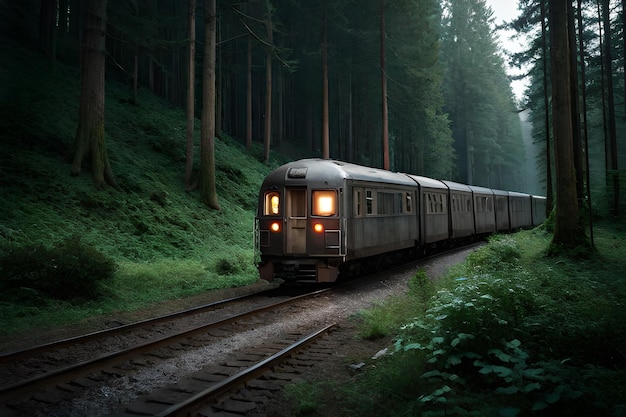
x=280, y=119
x=350, y=141
x=249, y=97
x=568, y=230
x=546, y=103
x=585, y=129
x=208, y=189
x=63, y=27
x=385, y=109
x=135, y=73
x=325, y=122
x=612, y=173
x=47, y=28
x=624, y=48
x=89, y=139
x=191, y=93
x=268, y=85
x=219, y=102
x=575, y=110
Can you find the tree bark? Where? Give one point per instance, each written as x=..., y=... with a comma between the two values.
x=568, y=230
x=325, y=121
x=208, y=189
x=249, y=97
x=383, y=74
x=268, y=86
x=585, y=124
x=546, y=103
x=612, y=172
x=47, y=28
x=89, y=139
x=191, y=93
x=575, y=110
x=624, y=48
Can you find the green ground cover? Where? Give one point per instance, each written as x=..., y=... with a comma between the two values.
x=161, y=242
x=510, y=332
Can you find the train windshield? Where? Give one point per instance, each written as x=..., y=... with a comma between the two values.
x=272, y=203
x=324, y=203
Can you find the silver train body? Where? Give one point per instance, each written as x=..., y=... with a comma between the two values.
x=317, y=218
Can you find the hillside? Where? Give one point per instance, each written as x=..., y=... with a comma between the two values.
x=152, y=228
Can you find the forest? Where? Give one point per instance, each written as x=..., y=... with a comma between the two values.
x=416, y=86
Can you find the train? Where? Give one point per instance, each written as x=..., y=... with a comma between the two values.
x=321, y=219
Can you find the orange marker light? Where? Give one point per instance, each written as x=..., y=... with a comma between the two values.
x=275, y=227
x=318, y=227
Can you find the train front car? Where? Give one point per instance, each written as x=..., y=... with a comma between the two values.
x=298, y=224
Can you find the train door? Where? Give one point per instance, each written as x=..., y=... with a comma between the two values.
x=296, y=221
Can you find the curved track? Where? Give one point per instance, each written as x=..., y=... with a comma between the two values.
x=24, y=387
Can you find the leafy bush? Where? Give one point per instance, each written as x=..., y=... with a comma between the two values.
x=236, y=263
x=502, y=249
x=69, y=270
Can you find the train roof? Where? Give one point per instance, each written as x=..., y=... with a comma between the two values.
x=427, y=182
x=481, y=190
x=457, y=186
x=501, y=192
x=516, y=194
x=332, y=172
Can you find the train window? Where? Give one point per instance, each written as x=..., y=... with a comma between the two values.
x=386, y=203
x=408, y=201
x=369, y=201
x=436, y=204
x=463, y=205
x=357, y=203
x=397, y=203
x=296, y=204
x=483, y=204
x=324, y=203
x=272, y=203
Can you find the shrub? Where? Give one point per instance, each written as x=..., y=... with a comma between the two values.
x=502, y=249
x=236, y=263
x=69, y=270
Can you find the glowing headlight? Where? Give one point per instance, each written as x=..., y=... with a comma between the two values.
x=275, y=227
x=325, y=203
x=318, y=227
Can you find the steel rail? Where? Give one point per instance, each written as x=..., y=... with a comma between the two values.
x=12, y=391
x=245, y=375
x=10, y=356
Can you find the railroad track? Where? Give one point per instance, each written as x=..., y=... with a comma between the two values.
x=209, y=398
x=57, y=387
x=17, y=394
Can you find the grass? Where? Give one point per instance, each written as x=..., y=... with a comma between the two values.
x=510, y=332
x=164, y=242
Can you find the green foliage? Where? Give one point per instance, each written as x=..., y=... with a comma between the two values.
x=305, y=397
x=421, y=287
x=165, y=242
x=510, y=332
x=502, y=251
x=382, y=320
x=70, y=269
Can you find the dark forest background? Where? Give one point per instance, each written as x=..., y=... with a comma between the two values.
x=449, y=98
x=451, y=111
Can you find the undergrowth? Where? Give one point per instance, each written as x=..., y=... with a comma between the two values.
x=510, y=332
x=162, y=241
